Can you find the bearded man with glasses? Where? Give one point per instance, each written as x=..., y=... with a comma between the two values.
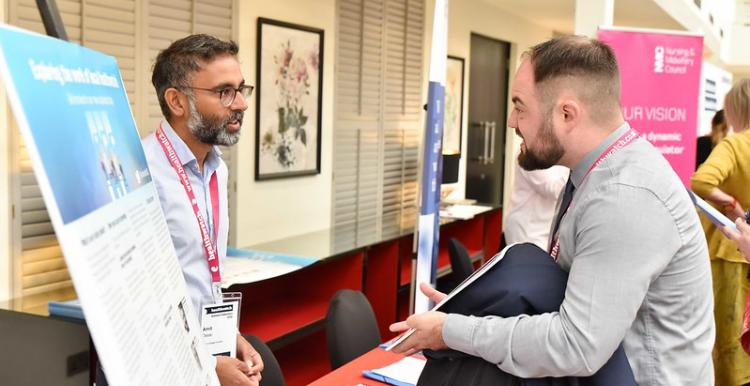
x=203, y=96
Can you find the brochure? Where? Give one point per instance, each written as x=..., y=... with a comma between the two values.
x=464, y=284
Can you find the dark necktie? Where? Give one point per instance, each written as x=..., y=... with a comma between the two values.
x=567, y=196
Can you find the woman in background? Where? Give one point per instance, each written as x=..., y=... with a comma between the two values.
x=723, y=179
x=706, y=143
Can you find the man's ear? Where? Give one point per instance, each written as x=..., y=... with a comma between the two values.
x=570, y=112
x=177, y=102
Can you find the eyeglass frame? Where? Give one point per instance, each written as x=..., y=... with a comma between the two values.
x=237, y=90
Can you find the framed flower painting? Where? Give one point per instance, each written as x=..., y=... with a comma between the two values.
x=289, y=100
x=454, y=87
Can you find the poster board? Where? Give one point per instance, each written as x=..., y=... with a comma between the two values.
x=74, y=116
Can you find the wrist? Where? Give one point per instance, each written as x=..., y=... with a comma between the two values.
x=730, y=205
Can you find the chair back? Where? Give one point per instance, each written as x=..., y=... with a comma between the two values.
x=351, y=327
x=271, y=374
x=460, y=261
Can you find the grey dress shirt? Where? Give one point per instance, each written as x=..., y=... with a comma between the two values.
x=638, y=273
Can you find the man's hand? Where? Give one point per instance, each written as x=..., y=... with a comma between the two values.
x=233, y=372
x=428, y=326
x=433, y=294
x=428, y=334
x=247, y=354
x=742, y=239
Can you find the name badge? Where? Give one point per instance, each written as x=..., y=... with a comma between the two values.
x=220, y=324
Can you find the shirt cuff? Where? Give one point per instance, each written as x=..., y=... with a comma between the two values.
x=458, y=332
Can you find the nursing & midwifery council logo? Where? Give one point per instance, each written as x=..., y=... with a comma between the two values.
x=659, y=59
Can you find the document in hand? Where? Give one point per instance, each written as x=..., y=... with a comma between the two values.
x=714, y=215
x=464, y=284
x=405, y=372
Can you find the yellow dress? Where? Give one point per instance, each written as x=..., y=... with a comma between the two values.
x=728, y=168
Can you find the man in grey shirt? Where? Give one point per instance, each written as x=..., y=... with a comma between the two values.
x=630, y=239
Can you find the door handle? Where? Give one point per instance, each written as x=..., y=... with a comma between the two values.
x=487, y=143
x=481, y=157
x=492, y=125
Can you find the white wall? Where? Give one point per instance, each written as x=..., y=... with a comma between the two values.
x=273, y=209
x=465, y=17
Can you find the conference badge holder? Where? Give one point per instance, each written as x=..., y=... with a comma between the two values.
x=220, y=323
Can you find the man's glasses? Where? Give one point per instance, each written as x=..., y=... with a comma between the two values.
x=228, y=94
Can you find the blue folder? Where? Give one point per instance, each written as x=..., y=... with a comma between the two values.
x=373, y=375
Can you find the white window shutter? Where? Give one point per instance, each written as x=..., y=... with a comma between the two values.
x=109, y=26
x=403, y=108
x=42, y=266
x=377, y=116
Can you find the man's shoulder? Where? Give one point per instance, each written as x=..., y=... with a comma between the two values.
x=157, y=162
x=150, y=147
x=149, y=141
x=640, y=170
x=643, y=165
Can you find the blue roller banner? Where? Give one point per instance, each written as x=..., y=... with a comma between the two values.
x=432, y=161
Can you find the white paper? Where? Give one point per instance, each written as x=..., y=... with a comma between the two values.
x=406, y=370
x=238, y=270
x=244, y=266
x=463, y=212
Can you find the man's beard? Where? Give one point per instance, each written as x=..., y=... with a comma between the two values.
x=549, y=152
x=211, y=129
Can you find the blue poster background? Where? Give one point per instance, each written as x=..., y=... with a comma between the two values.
x=80, y=119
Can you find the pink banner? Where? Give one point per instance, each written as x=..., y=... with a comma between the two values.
x=660, y=75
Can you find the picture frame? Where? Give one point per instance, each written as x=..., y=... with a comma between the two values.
x=454, y=91
x=289, y=100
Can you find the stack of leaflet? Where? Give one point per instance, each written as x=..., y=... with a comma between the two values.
x=70, y=309
x=463, y=212
x=405, y=372
x=244, y=266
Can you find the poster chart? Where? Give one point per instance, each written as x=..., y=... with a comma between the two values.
x=428, y=224
x=660, y=75
x=71, y=107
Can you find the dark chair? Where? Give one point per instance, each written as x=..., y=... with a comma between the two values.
x=271, y=374
x=460, y=261
x=351, y=328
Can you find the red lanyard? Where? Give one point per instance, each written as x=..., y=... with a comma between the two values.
x=624, y=140
x=208, y=245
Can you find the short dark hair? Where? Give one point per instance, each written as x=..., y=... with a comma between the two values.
x=590, y=62
x=718, y=118
x=176, y=64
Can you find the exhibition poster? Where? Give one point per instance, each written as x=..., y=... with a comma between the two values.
x=74, y=116
x=428, y=226
x=660, y=75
